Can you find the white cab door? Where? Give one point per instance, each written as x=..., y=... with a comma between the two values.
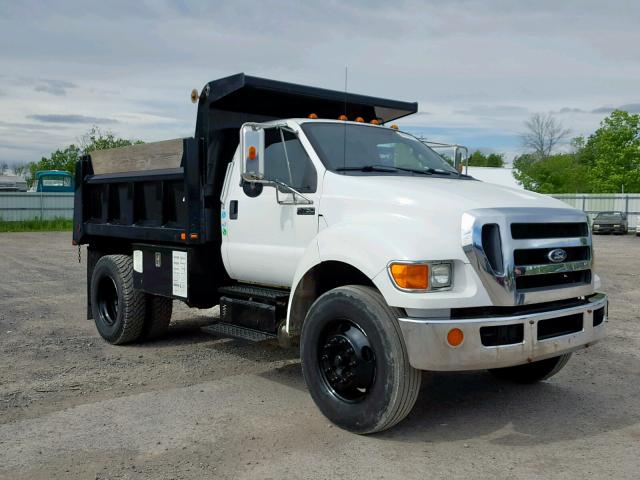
x=262, y=239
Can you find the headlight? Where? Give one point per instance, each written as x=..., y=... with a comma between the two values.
x=440, y=275
x=616, y=226
x=421, y=276
x=596, y=227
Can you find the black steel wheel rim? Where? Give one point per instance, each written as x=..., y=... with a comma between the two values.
x=108, y=300
x=347, y=361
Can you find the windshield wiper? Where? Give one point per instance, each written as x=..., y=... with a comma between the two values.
x=368, y=168
x=391, y=169
x=432, y=171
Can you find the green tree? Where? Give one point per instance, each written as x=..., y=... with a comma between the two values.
x=478, y=159
x=613, y=154
x=608, y=161
x=65, y=159
x=561, y=173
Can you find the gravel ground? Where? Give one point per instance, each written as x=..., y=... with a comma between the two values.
x=196, y=406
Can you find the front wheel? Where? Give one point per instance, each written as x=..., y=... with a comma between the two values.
x=532, y=372
x=355, y=362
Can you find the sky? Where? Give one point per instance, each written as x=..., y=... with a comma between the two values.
x=478, y=69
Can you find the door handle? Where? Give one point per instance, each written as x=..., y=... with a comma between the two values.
x=306, y=211
x=233, y=209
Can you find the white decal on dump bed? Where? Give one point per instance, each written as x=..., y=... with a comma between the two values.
x=179, y=273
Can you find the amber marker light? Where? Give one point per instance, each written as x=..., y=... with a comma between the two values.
x=455, y=337
x=313, y=116
x=410, y=276
x=343, y=118
x=183, y=236
x=394, y=126
x=375, y=121
x=252, y=153
x=360, y=120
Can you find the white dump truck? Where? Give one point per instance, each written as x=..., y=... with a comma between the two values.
x=312, y=219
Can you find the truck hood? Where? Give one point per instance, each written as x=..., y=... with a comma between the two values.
x=397, y=217
x=347, y=196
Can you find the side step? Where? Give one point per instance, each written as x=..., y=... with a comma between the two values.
x=255, y=293
x=236, y=331
x=254, y=308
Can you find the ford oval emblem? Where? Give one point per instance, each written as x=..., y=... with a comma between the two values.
x=557, y=255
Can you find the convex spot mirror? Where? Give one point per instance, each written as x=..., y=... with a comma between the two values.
x=252, y=147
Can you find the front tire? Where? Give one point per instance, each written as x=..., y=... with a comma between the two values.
x=355, y=362
x=118, y=309
x=532, y=372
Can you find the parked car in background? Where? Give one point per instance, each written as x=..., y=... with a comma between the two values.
x=611, y=222
x=12, y=183
x=53, y=181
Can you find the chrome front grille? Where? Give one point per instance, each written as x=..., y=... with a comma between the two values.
x=529, y=255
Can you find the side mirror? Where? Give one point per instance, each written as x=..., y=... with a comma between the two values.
x=252, y=151
x=460, y=158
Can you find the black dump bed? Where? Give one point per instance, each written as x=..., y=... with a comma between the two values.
x=168, y=192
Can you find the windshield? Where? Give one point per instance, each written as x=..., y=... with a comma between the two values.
x=609, y=216
x=56, y=181
x=374, y=150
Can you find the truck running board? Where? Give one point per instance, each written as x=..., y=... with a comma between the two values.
x=255, y=308
x=254, y=293
x=236, y=331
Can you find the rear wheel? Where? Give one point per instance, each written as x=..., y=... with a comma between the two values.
x=355, y=362
x=532, y=372
x=157, y=317
x=118, y=309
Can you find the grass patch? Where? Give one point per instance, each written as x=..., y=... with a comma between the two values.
x=37, y=225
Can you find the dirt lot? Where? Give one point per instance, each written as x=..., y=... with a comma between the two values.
x=193, y=406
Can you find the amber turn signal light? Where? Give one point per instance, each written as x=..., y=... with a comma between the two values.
x=343, y=118
x=455, y=337
x=252, y=153
x=410, y=276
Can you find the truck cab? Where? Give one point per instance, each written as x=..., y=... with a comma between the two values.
x=54, y=181
x=310, y=218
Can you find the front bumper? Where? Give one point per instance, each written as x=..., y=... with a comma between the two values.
x=426, y=338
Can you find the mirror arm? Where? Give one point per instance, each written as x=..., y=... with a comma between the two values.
x=286, y=156
x=307, y=201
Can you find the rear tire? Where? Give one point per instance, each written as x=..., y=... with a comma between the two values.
x=157, y=317
x=355, y=362
x=118, y=309
x=532, y=372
